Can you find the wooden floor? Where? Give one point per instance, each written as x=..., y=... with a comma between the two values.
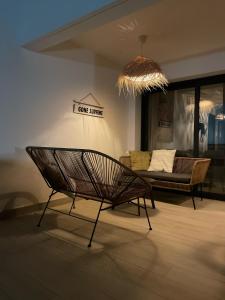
x=183, y=257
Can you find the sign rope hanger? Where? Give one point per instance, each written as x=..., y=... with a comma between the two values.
x=88, y=109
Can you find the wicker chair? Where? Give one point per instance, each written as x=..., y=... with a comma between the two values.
x=90, y=175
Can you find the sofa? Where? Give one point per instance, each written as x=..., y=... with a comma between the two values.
x=188, y=173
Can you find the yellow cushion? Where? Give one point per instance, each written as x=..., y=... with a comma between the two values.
x=140, y=160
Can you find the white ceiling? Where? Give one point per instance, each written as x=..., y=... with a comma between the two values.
x=176, y=29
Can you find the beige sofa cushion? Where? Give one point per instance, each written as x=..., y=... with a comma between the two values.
x=162, y=160
x=165, y=176
x=140, y=160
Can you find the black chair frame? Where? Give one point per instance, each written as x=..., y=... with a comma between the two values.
x=59, y=165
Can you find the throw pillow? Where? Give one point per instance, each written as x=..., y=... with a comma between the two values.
x=140, y=160
x=162, y=160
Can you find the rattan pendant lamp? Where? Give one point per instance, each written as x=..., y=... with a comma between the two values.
x=141, y=74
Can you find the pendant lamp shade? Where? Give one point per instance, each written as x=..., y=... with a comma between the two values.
x=141, y=74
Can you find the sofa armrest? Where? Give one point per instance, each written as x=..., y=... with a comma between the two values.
x=199, y=171
x=126, y=161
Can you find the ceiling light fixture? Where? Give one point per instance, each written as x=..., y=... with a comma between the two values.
x=141, y=74
x=220, y=117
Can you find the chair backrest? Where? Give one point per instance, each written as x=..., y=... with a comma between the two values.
x=72, y=164
x=44, y=158
x=87, y=172
x=96, y=174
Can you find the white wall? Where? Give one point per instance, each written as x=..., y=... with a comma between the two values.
x=134, y=125
x=199, y=66
x=36, y=109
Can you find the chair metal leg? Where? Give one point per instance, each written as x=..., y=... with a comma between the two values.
x=96, y=221
x=73, y=204
x=52, y=193
x=193, y=198
x=138, y=201
x=150, y=227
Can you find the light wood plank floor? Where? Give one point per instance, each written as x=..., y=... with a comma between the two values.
x=183, y=257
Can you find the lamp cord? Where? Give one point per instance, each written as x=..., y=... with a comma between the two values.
x=142, y=49
x=142, y=39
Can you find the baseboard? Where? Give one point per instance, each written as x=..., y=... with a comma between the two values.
x=16, y=212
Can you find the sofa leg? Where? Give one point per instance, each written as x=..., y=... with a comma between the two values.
x=153, y=203
x=201, y=191
x=152, y=200
x=193, y=198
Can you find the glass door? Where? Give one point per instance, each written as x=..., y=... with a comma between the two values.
x=212, y=135
x=189, y=117
x=171, y=121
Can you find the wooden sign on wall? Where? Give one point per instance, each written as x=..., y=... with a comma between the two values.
x=84, y=107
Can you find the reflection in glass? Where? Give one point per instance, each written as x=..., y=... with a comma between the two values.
x=212, y=135
x=171, y=118
x=171, y=126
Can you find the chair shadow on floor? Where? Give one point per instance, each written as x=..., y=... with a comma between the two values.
x=125, y=258
x=212, y=256
x=180, y=199
x=8, y=203
x=26, y=224
x=128, y=210
x=68, y=229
